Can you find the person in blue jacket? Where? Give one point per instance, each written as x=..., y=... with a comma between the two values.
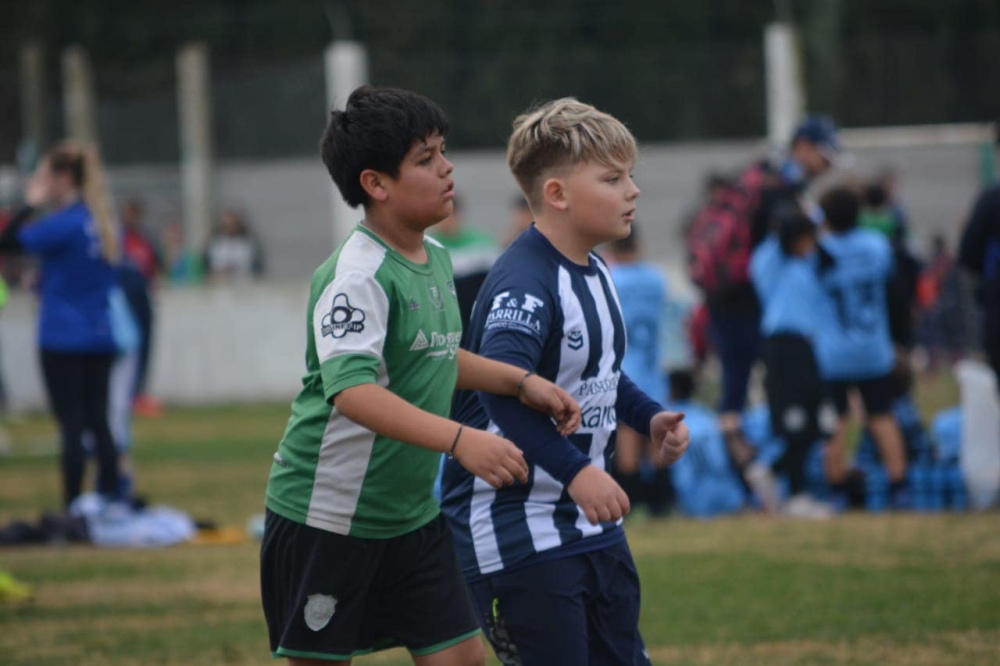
x=855, y=350
x=77, y=245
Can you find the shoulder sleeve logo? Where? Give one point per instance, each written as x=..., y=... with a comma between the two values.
x=318, y=611
x=342, y=318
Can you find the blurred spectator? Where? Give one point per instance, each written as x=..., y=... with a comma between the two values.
x=11, y=265
x=183, y=267
x=141, y=254
x=940, y=301
x=136, y=244
x=979, y=253
x=795, y=314
x=642, y=289
x=128, y=298
x=855, y=351
x=888, y=178
x=520, y=219
x=704, y=480
x=233, y=252
x=879, y=214
x=78, y=247
x=733, y=222
x=472, y=254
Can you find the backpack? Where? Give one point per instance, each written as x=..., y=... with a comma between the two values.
x=720, y=239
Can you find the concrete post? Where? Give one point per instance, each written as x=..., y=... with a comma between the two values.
x=197, y=160
x=786, y=99
x=34, y=107
x=346, y=69
x=79, y=104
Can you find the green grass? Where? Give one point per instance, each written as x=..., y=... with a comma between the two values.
x=858, y=590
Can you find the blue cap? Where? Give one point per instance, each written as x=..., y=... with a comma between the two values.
x=821, y=132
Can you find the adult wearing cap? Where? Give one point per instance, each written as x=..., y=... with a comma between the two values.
x=774, y=187
x=980, y=254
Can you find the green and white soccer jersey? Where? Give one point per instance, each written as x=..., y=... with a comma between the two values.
x=374, y=317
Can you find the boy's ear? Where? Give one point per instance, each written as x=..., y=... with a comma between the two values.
x=554, y=193
x=374, y=184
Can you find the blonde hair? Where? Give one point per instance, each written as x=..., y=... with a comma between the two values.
x=83, y=163
x=565, y=132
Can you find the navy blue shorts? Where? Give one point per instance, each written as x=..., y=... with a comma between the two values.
x=580, y=609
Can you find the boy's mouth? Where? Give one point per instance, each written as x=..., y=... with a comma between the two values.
x=630, y=215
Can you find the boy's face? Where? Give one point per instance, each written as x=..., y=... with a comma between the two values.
x=422, y=193
x=601, y=201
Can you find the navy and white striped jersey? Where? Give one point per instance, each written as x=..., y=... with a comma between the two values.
x=540, y=311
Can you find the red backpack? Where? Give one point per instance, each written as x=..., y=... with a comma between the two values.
x=720, y=240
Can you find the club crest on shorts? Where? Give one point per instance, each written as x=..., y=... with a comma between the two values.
x=342, y=318
x=318, y=611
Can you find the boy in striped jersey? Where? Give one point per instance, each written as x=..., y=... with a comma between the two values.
x=547, y=561
x=355, y=555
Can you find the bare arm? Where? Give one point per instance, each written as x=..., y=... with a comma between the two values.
x=494, y=459
x=478, y=373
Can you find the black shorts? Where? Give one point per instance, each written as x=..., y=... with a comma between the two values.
x=876, y=393
x=330, y=596
x=796, y=394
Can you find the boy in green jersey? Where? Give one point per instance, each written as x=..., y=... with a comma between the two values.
x=355, y=555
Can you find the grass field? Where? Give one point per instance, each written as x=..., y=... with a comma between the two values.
x=858, y=590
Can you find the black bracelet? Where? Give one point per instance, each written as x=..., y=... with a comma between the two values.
x=520, y=382
x=451, y=451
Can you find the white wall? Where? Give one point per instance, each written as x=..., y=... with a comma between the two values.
x=244, y=343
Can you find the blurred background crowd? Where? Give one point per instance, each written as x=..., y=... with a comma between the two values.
x=207, y=124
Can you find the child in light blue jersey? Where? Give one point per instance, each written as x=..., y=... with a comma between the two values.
x=855, y=350
x=704, y=479
x=795, y=314
x=642, y=292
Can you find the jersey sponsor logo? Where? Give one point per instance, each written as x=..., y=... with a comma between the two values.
x=438, y=345
x=575, y=340
x=420, y=342
x=342, y=318
x=596, y=417
x=319, y=610
x=507, y=312
x=444, y=345
x=598, y=386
